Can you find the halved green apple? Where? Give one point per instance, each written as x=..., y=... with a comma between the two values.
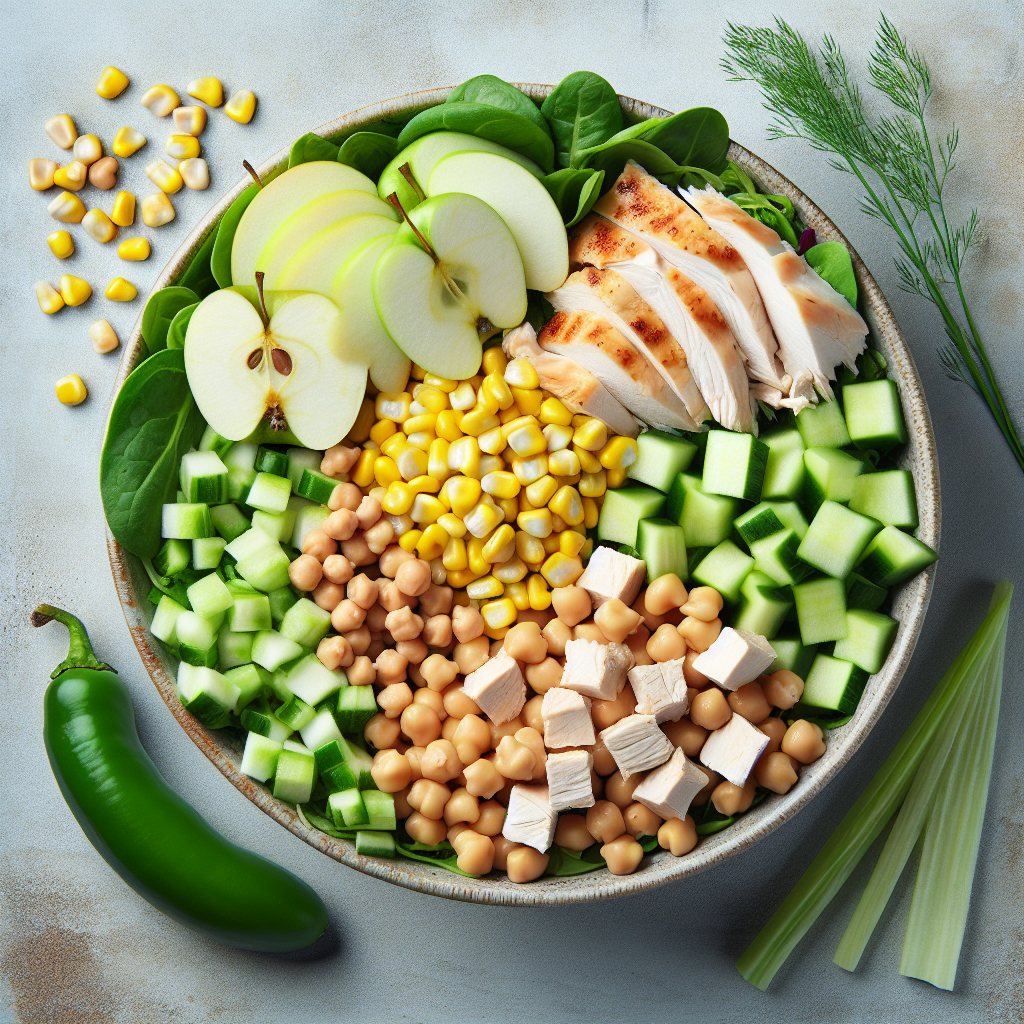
x=450, y=274
x=521, y=201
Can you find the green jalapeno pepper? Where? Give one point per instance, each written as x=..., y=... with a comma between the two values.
x=147, y=833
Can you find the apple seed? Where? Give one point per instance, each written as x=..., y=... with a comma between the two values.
x=255, y=358
x=282, y=361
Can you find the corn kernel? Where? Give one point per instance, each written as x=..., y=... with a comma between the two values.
x=422, y=439
x=588, y=460
x=62, y=130
x=377, y=493
x=491, y=441
x=87, y=149
x=558, y=436
x=464, y=494
x=500, y=545
x=539, y=594
x=454, y=555
x=195, y=172
x=157, y=210
x=497, y=614
x=618, y=453
x=385, y=472
x=552, y=411
x=528, y=402
x=99, y=226
x=460, y=578
x=409, y=540
x=416, y=372
x=568, y=505
x=400, y=524
x=593, y=485
x=134, y=249
x=477, y=421
x=71, y=390
x=49, y=299
x=120, y=290
x=164, y=176
x=482, y=519
x=615, y=477
x=72, y=177
x=432, y=542
x=361, y=473
x=364, y=421
x=509, y=508
x=536, y=523
x=591, y=434
x=189, y=121
x=511, y=571
x=422, y=422
x=434, y=400
x=591, y=513
x=490, y=464
x=500, y=484
x=494, y=360
x=551, y=542
x=452, y=524
x=444, y=384
x=411, y=462
x=438, y=573
x=520, y=373
x=241, y=106
x=529, y=549
x=426, y=509
x=382, y=430
x=73, y=290
x=561, y=570
x=563, y=463
x=449, y=425
x=571, y=543
x=181, y=147
x=393, y=406
x=486, y=403
x=475, y=556
x=485, y=587
x=518, y=595
x=525, y=505
x=506, y=416
x=425, y=485
x=103, y=337
x=464, y=457
x=495, y=387
x=206, y=90
x=528, y=470
x=40, y=174
x=527, y=440
x=61, y=244
x=399, y=498
x=123, y=214
x=127, y=141
x=112, y=83
x=541, y=491
x=463, y=397
x=160, y=100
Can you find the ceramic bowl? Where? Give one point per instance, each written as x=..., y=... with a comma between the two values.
x=909, y=602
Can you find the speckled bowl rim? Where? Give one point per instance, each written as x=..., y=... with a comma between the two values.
x=909, y=606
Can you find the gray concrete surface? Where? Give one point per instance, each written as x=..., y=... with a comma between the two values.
x=75, y=944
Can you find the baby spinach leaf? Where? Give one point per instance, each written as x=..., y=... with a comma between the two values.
x=179, y=325
x=562, y=861
x=369, y=152
x=775, y=211
x=735, y=179
x=574, y=190
x=220, y=261
x=611, y=157
x=698, y=138
x=441, y=856
x=160, y=311
x=485, y=122
x=538, y=310
x=310, y=147
x=583, y=111
x=497, y=93
x=153, y=423
x=831, y=261
x=198, y=275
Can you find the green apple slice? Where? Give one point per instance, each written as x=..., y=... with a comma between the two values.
x=278, y=200
x=435, y=304
x=352, y=292
x=315, y=265
x=293, y=371
x=424, y=153
x=521, y=201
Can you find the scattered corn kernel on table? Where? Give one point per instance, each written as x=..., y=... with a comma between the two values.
x=75, y=943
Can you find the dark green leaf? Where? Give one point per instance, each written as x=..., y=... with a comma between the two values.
x=775, y=211
x=735, y=179
x=583, y=111
x=220, y=261
x=199, y=275
x=485, y=122
x=153, y=423
x=574, y=190
x=497, y=93
x=538, y=310
x=831, y=261
x=160, y=311
x=696, y=138
x=441, y=856
x=311, y=147
x=176, y=332
x=564, y=862
x=611, y=157
x=369, y=152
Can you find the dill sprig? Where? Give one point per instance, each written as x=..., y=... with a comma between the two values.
x=903, y=172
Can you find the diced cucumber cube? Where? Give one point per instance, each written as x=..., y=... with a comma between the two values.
x=319, y=730
x=173, y=558
x=734, y=465
x=259, y=759
x=835, y=539
x=185, y=521
x=233, y=649
x=241, y=455
x=280, y=601
x=834, y=684
x=239, y=483
x=791, y=515
x=204, y=477
x=869, y=638
x=356, y=706
x=725, y=568
x=251, y=681
x=209, y=595
x=760, y=522
x=269, y=460
x=662, y=545
x=299, y=460
x=820, y=610
x=211, y=441
x=776, y=556
x=297, y=713
x=165, y=619
x=874, y=416
x=271, y=650
x=830, y=475
x=784, y=467
x=893, y=557
x=791, y=654
x=861, y=593
x=206, y=694
x=342, y=759
x=375, y=844
x=316, y=486
x=706, y=519
x=306, y=623
x=197, y=639
x=622, y=511
x=763, y=606
x=207, y=552
x=295, y=775
x=310, y=517
x=888, y=497
x=266, y=570
x=251, y=611
x=269, y=492
x=264, y=723
x=660, y=458
x=228, y=521
x=673, y=507
x=278, y=525
x=381, y=809
x=313, y=681
x=823, y=426
x=347, y=808
x=249, y=543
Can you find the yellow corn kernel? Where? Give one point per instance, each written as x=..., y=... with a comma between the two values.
x=452, y=524
x=588, y=460
x=518, y=595
x=241, y=106
x=525, y=505
x=160, y=100
x=454, y=556
x=551, y=542
x=571, y=543
x=529, y=549
x=588, y=548
x=434, y=400
x=438, y=573
x=49, y=299
x=394, y=444
x=123, y=214
x=421, y=439
x=500, y=484
x=62, y=130
x=477, y=421
x=426, y=509
x=506, y=416
x=398, y=499
x=485, y=587
x=425, y=484
x=40, y=174
x=189, y=121
x=103, y=337
x=364, y=421
x=482, y=519
x=87, y=149
x=563, y=463
x=449, y=425
x=134, y=249
x=127, y=141
x=400, y=524
x=618, y=453
x=615, y=477
x=511, y=571
x=491, y=441
x=494, y=360
x=509, y=508
x=73, y=290
x=500, y=545
x=536, y=523
x=432, y=542
x=393, y=406
x=541, y=491
x=591, y=434
x=416, y=372
x=385, y=472
x=464, y=494
x=121, y=290
x=520, y=373
x=497, y=390
x=591, y=513
x=157, y=210
x=206, y=90
x=99, y=226
x=593, y=485
x=420, y=423
x=411, y=462
x=61, y=244
x=561, y=570
x=463, y=397
x=528, y=402
x=458, y=579
x=558, y=436
x=112, y=83
x=377, y=493
x=431, y=380
x=539, y=594
x=164, y=176
x=382, y=430
x=486, y=403
x=71, y=390
x=72, y=177
x=437, y=460
x=476, y=562
x=490, y=464
x=568, y=505
x=498, y=615
x=67, y=208
x=552, y=411
x=528, y=470
x=361, y=473
x=527, y=440
x=464, y=457
x=409, y=540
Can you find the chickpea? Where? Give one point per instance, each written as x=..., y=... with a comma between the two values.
x=652, y=622
x=641, y=820
x=497, y=646
x=531, y=714
x=420, y=723
x=414, y=755
x=637, y=644
x=590, y=631
x=502, y=848
x=470, y=656
x=543, y=676
x=505, y=793
x=607, y=712
x=362, y=590
x=605, y=821
x=382, y=732
x=345, y=496
x=436, y=600
x=402, y=808
x=369, y=511
x=750, y=702
x=429, y=797
x=338, y=569
x=394, y=699
x=572, y=604
x=305, y=572
x=438, y=671
x=391, y=667
x=694, y=678
x=524, y=864
x=390, y=771
x=414, y=651
x=357, y=551
x=425, y=830
x=376, y=616
x=483, y=779
x=457, y=703
x=379, y=536
x=664, y=594
x=620, y=791
x=704, y=794
x=783, y=688
x=596, y=785
x=448, y=729
x=804, y=741
x=361, y=672
x=341, y=525
x=515, y=760
x=616, y=620
x=710, y=710
x=571, y=832
x=534, y=741
x=467, y=623
x=440, y=762
x=678, y=836
x=334, y=652
x=557, y=634
x=328, y=595
x=509, y=728
x=622, y=855
x=391, y=598
x=475, y=853
x=437, y=630
x=525, y=643
x=338, y=459
x=391, y=558
x=666, y=644
x=359, y=641
x=472, y=738
x=403, y=624
x=413, y=577
x=774, y=729
x=319, y=545
x=698, y=634
x=461, y=807
x=730, y=799
x=455, y=833
x=491, y=820
x=776, y=771
x=686, y=735
x=704, y=603
x=347, y=615
x=604, y=763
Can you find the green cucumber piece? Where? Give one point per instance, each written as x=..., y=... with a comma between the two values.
x=267, y=570
x=281, y=600
x=861, y=593
x=251, y=681
x=888, y=497
x=269, y=492
x=356, y=706
x=320, y=729
x=265, y=723
x=784, y=467
x=381, y=809
x=173, y=558
x=206, y=694
x=347, y=808
x=893, y=557
x=622, y=511
x=869, y=638
x=207, y=552
x=791, y=654
x=233, y=649
x=165, y=619
x=373, y=843
x=662, y=545
x=228, y=521
x=823, y=426
x=204, y=477
x=874, y=416
x=250, y=612
x=211, y=441
x=316, y=486
x=763, y=606
x=270, y=460
x=271, y=651
x=830, y=476
x=305, y=622
x=661, y=458
x=706, y=519
x=734, y=465
x=296, y=714
x=299, y=460
x=279, y=525
x=820, y=610
x=834, y=684
x=197, y=639
x=185, y=521
x=311, y=680
x=295, y=774
x=725, y=568
x=307, y=518
x=835, y=539
x=260, y=756
x=776, y=556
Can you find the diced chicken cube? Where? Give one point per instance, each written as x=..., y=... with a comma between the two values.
x=530, y=818
x=596, y=670
x=498, y=688
x=567, y=721
x=668, y=790
x=569, y=779
x=636, y=743
x=736, y=658
x=660, y=690
x=610, y=573
x=732, y=750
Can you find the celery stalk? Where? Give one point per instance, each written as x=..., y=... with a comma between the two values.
x=868, y=816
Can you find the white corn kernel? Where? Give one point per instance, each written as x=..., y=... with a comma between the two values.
x=103, y=336
x=99, y=226
x=67, y=208
x=87, y=149
x=62, y=130
x=40, y=174
x=463, y=397
x=189, y=120
x=241, y=106
x=49, y=299
x=195, y=173
x=520, y=374
x=164, y=176
x=207, y=90
x=157, y=210
x=181, y=147
x=161, y=100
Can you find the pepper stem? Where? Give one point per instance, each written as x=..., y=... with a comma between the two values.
x=80, y=652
